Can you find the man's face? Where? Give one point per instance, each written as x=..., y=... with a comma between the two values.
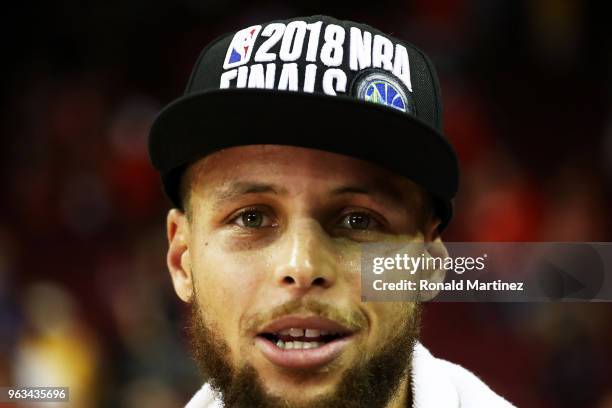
x=269, y=257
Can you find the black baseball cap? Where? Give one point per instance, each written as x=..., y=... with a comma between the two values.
x=314, y=82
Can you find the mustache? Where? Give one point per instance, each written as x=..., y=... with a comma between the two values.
x=353, y=320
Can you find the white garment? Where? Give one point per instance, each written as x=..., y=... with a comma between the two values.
x=436, y=383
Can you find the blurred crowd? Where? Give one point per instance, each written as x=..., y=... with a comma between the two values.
x=85, y=299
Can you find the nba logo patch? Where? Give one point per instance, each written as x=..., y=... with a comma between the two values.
x=240, y=49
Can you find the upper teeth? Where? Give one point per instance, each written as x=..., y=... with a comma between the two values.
x=296, y=332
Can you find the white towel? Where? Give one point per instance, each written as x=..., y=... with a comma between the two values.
x=436, y=383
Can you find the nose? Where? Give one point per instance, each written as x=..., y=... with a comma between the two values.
x=305, y=261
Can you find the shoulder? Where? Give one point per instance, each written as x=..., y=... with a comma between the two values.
x=205, y=398
x=437, y=382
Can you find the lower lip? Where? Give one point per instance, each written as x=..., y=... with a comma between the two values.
x=302, y=358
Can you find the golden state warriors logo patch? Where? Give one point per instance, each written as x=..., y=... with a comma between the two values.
x=383, y=89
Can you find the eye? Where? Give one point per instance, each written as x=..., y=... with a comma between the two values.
x=359, y=221
x=253, y=218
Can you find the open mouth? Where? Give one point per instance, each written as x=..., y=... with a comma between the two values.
x=296, y=342
x=302, y=339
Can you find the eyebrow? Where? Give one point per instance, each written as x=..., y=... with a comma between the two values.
x=240, y=188
x=382, y=190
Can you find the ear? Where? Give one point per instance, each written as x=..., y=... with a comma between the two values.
x=431, y=229
x=178, y=257
x=435, y=249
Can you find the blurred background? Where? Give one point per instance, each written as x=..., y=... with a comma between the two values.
x=85, y=299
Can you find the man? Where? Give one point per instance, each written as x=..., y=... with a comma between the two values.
x=296, y=142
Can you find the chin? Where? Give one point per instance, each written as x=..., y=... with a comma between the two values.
x=299, y=395
x=300, y=385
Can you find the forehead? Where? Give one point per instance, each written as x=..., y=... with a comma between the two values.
x=294, y=169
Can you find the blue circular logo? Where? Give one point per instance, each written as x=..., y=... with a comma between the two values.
x=382, y=89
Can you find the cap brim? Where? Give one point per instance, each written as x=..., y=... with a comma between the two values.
x=201, y=123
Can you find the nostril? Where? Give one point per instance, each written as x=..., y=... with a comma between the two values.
x=318, y=281
x=288, y=280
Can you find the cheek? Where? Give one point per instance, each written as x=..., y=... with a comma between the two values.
x=348, y=264
x=388, y=317
x=227, y=286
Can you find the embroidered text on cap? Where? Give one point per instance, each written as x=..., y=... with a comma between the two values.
x=300, y=57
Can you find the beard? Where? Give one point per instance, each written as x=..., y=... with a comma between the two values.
x=371, y=383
